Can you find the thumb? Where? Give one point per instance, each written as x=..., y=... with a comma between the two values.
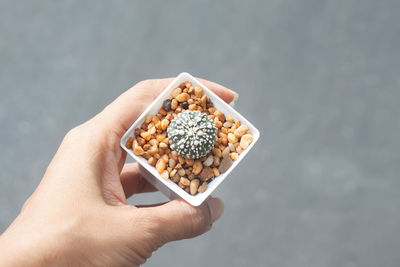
x=177, y=219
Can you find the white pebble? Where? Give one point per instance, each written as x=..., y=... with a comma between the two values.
x=208, y=161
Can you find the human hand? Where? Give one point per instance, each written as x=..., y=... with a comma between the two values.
x=78, y=215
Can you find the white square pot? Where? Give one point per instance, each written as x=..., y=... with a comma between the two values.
x=167, y=187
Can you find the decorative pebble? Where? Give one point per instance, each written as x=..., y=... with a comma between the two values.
x=181, y=172
x=216, y=161
x=184, y=181
x=197, y=167
x=209, y=161
x=171, y=163
x=206, y=174
x=227, y=124
x=216, y=172
x=239, y=132
x=226, y=151
x=174, y=104
x=232, y=138
x=225, y=164
x=231, y=147
x=245, y=141
x=165, y=175
x=198, y=91
x=194, y=186
x=183, y=97
x=175, y=92
x=202, y=187
x=234, y=156
x=160, y=165
x=167, y=104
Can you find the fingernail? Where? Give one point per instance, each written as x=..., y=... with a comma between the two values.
x=216, y=207
x=235, y=97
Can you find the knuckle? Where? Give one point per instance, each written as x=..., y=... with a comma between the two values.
x=199, y=218
x=72, y=134
x=143, y=83
x=79, y=134
x=71, y=138
x=152, y=230
x=150, y=223
x=26, y=204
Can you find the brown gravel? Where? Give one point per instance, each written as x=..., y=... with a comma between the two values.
x=194, y=186
x=206, y=174
x=203, y=187
x=225, y=164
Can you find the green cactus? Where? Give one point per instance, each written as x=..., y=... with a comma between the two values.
x=192, y=134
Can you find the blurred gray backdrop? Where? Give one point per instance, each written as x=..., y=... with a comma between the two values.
x=319, y=78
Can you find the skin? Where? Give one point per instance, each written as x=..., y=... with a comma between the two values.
x=78, y=215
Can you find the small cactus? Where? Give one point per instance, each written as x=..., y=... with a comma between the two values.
x=192, y=134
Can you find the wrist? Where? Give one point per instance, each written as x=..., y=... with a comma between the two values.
x=29, y=249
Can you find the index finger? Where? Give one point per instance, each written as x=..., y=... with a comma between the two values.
x=123, y=111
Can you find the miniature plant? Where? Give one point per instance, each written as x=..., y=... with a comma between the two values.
x=192, y=125
x=192, y=134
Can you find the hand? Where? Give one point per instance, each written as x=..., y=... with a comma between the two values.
x=78, y=215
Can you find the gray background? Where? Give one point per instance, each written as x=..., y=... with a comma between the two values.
x=319, y=78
